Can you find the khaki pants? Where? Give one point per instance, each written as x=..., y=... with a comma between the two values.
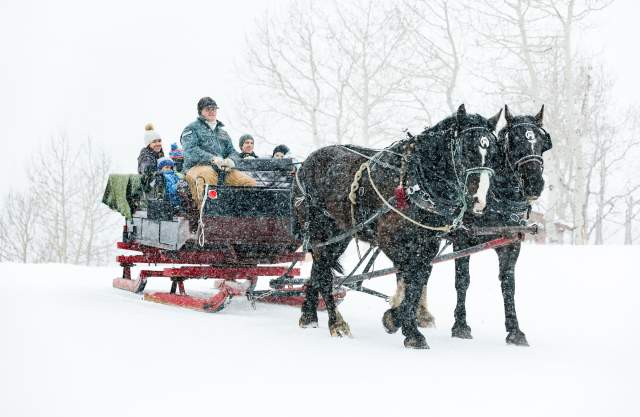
x=200, y=175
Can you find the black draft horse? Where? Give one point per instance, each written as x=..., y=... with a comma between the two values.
x=444, y=170
x=517, y=182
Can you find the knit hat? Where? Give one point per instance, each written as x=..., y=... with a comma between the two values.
x=165, y=162
x=280, y=148
x=206, y=102
x=176, y=153
x=150, y=134
x=245, y=137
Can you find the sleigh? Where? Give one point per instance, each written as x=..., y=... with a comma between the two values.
x=239, y=235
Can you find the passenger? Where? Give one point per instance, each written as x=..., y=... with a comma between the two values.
x=280, y=179
x=205, y=144
x=246, y=147
x=177, y=156
x=280, y=151
x=149, y=155
x=166, y=166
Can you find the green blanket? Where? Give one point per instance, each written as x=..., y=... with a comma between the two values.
x=123, y=193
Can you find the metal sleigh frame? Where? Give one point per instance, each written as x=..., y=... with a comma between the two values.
x=287, y=288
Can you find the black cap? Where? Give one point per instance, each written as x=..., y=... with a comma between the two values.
x=206, y=102
x=280, y=148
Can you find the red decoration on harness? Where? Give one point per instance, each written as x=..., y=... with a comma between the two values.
x=213, y=194
x=401, y=198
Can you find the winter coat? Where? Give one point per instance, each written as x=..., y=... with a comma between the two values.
x=171, y=179
x=148, y=161
x=201, y=144
x=248, y=154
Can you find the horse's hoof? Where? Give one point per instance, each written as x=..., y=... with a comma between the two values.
x=461, y=332
x=389, y=322
x=517, y=338
x=416, y=342
x=308, y=321
x=425, y=319
x=340, y=329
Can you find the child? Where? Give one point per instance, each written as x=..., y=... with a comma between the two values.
x=177, y=156
x=280, y=151
x=171, y=178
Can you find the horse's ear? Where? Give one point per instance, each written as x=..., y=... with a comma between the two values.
x=493, y=122
x=507, y=115
x=462, y=113
x=540, y=116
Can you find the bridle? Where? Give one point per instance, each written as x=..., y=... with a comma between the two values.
x=477, y=169
x=527, y=158
x=422, y=194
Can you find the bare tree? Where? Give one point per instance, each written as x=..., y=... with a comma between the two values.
x=284, y=67
x=18, y=226
x=51, y=174
x=372, y=36
x=330, y=70
x=94, y=226
x=435, y=37
x=609, y=147
x=537, y=61
x=62, y=206
x=631, y=216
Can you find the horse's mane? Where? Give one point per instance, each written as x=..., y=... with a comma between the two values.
x=450, y=122
x=441, y=126
x=365, y=151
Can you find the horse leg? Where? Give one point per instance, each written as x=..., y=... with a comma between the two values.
x=321, y=281
x=389, y=320
x=508, y=256
x=423, y=316
x=309, y=317
x=460, y=327
x=406, y=313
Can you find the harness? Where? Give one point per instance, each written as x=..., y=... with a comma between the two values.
x=425, y=199
x=517, y=211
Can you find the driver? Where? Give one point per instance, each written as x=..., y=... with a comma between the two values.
x=206, y=143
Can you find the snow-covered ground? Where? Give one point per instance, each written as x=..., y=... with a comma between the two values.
x=71, y=345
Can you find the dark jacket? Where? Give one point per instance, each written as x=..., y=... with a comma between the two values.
x=171, y=187
x=245, y=154
x=201, y=144
x=148, y=161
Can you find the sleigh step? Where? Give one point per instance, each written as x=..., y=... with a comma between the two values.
x=209, y=305
x=127, y=284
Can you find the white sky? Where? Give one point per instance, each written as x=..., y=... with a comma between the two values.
x=105, y=68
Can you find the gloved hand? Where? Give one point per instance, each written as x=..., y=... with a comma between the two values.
x=216, y=160
x=227, y=164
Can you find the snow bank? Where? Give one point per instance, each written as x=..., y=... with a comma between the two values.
x=72, y=345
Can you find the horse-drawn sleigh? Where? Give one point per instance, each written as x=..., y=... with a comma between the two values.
x=403, y=201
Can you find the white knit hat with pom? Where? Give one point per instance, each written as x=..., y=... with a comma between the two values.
x=150, y=134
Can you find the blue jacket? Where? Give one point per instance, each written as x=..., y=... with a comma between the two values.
x=171, y=187
x=201, y=144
